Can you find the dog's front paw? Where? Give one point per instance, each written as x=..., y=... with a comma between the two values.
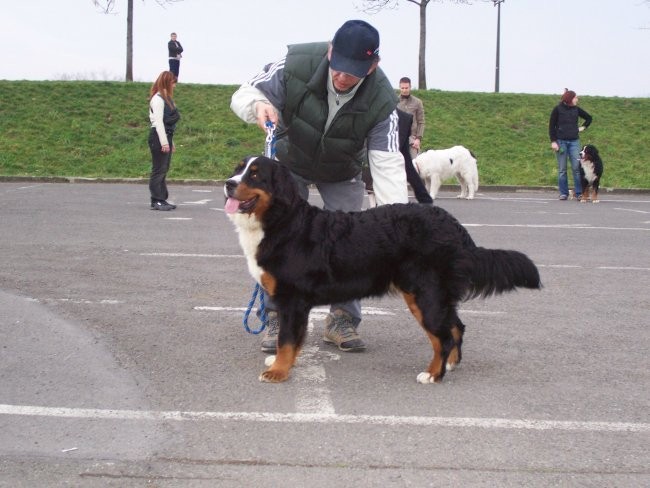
x=595, y=201
x=274, y=376
x=470, y=197
x=425, y=378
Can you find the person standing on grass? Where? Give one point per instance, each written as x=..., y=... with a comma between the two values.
x=563, y=130
x=175, y=49
x=414, y=106
x=335, y=106
x=163, y=116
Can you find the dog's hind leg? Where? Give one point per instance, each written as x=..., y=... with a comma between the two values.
x=439, y=333
x=293, y=328
x=457, y=332
x=434, y=185
x=463, y=186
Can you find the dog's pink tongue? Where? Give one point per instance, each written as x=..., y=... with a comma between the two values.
x=232, y=205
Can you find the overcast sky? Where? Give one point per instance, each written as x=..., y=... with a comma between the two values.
x=595, y=47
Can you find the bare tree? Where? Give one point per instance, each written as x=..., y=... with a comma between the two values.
x=374, y=6
x=108, y=6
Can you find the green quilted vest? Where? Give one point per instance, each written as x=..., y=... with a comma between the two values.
x=335, y=155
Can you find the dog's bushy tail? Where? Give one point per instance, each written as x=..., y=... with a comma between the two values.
x=494, y=271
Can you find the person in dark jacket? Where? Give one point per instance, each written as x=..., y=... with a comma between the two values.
x=563, y=130
x=175, y=49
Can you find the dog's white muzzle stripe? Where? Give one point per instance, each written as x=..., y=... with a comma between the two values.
x=237, y=178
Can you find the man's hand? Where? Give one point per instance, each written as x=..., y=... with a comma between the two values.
x=265, y=111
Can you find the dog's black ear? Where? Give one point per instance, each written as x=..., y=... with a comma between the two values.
x=284, y=187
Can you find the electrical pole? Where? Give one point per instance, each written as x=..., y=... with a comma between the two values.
x=497, y=3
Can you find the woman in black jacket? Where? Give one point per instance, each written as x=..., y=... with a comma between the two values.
x=163, y=115
x=563, y=131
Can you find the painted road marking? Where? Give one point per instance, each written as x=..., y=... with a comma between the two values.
x=189, y=255
x=632, y=210
x=555, y=226
x=323, y=418
x=197, y=202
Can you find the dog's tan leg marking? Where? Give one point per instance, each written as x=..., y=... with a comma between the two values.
x=409, y=298
x=268, y=283
x=433, y=374
x=594, y=197
x=454, y=358
x=279, y=370
x=435, y=371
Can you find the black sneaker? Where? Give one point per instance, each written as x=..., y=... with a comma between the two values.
x=164, y=206
x=170, y=204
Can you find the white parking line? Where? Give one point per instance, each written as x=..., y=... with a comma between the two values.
x=555, y=226
x=186, y=255
x=631, y=210
x=323, y=418
x=314, y=397
x=577, y=266
x=323, y=311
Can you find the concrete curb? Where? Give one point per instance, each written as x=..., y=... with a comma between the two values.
x=145, y=181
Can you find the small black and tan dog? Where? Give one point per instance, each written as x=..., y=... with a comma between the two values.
x=305, y=256
x=591, y=169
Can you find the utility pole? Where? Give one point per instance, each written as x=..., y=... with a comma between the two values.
x=497, y=3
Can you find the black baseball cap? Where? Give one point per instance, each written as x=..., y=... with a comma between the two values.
x=354, y=48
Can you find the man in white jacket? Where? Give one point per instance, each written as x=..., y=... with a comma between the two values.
x=332, y=107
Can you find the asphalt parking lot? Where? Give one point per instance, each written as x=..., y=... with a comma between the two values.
x=124, y=361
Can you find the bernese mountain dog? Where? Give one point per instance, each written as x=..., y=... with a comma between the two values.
x=591, y=169
x=304, y=256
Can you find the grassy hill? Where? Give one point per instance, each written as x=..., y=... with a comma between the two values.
x=99, y=129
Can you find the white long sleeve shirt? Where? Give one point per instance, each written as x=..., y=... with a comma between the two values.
x=156, y=115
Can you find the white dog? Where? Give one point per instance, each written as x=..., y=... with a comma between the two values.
x=435, y=166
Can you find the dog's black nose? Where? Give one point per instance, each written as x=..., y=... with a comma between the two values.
x=229, y=189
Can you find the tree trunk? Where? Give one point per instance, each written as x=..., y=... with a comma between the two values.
x=422, y=69
x=129, y=42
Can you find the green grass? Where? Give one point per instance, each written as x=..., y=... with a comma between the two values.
x=99, y=129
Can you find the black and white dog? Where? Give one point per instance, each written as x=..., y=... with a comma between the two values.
x=591, y=169
x=304, y=256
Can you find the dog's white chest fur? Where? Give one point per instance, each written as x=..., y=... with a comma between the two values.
x=588, y=168
x=250, y=233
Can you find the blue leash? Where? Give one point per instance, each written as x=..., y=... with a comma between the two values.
x=261, y=311
x=269, y=152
